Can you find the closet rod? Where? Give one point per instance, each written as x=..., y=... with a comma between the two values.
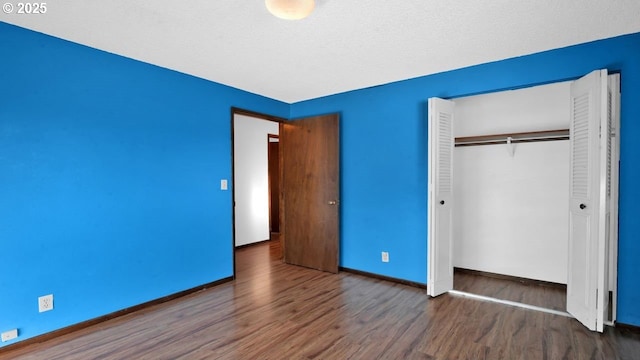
x=532, y=136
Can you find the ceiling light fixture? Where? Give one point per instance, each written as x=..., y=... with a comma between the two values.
x=290, y=9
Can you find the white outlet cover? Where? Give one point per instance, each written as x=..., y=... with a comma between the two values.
x=385, y=256
x=9, y=335
x=224, y=184
x=45, y=303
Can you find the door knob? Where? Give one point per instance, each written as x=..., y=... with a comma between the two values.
x=583, y=206
x=441, y=202
x=332, y=202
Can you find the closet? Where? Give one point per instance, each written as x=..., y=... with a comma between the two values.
x=510, y=180
x=524, y=183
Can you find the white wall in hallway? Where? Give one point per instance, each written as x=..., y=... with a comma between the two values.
x=251, y=178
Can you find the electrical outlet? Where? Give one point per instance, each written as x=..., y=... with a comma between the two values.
x=45, y=303
x=9, y=335
x=385, y=256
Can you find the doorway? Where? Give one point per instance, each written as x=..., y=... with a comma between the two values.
x=592, y=105
x=302, y=190
x=251, y=184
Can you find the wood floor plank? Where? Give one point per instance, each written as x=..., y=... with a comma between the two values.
x=278, y=311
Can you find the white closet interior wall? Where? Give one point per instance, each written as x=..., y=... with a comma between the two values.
x=511, y=212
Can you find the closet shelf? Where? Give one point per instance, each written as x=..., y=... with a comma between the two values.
x=513, y=138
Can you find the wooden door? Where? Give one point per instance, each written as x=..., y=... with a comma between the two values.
x=587, y=288
x=440, y=206
x=274, y=182
x=310, y=188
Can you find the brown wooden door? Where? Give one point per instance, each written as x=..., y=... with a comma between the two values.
x=310, y=186
x=274, y=183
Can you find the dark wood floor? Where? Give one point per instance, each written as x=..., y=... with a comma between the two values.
x=550, y=296
x=277, y=311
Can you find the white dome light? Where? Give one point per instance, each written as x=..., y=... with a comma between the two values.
x=290, y=9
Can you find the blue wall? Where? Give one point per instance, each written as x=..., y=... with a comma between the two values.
x=110, y=169
x=109, y=180
x=383, y=156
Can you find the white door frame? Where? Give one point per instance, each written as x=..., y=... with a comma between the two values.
x=614, y=87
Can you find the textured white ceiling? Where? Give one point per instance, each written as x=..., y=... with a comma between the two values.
x=344, y=45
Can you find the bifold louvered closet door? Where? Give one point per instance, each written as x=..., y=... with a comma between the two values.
x=441, y=141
